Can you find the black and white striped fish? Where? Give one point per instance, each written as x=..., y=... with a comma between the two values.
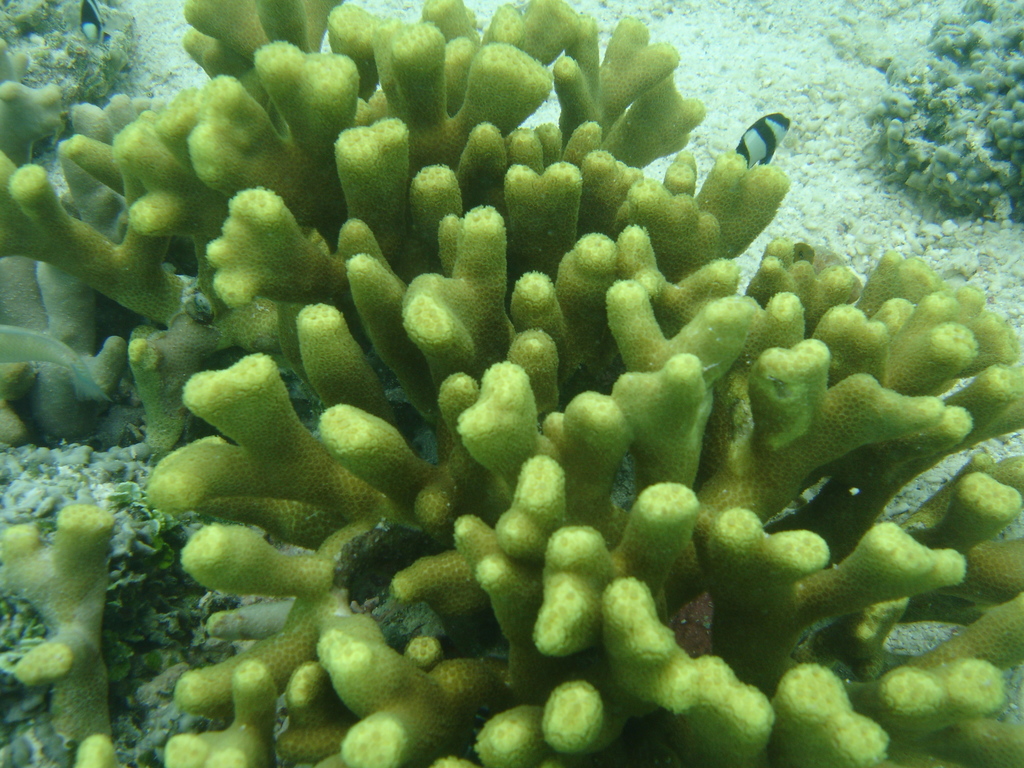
x=91, y=22
x=760, y=140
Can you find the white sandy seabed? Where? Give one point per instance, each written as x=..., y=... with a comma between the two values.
x=819, y=62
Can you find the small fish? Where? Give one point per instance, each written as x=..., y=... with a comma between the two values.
x=20, y=345
x=760, y=140
x=92, y=22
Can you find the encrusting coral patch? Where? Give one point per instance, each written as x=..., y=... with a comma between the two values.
x=550, y=316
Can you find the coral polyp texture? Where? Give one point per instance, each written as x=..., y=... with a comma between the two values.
x=551, y=428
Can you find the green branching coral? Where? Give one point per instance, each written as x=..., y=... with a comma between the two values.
x=66, y=582
x=551, y=316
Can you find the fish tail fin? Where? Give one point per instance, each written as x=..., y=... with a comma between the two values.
x=85, y=385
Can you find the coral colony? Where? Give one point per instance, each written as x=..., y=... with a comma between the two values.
x=951, y=121
x=542, y=394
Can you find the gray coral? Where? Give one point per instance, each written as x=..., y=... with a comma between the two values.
x=953, y=121
x=26, y=114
